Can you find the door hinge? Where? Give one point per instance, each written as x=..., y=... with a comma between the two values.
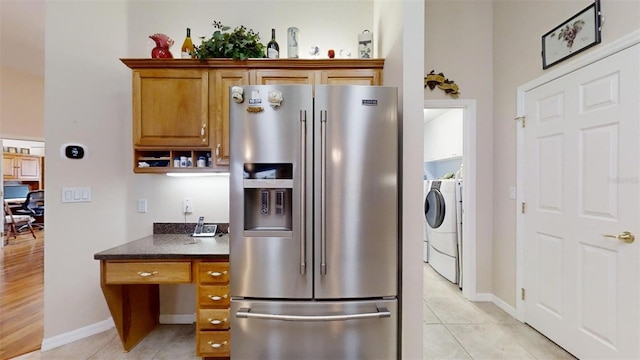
x=522, y=293
x=523, y=118
x=522, y=209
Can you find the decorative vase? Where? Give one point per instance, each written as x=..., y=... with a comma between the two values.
x=163, y=43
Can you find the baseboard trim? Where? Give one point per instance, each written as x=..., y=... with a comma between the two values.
x=77, y=334
x=177, y=318
x=498, y=302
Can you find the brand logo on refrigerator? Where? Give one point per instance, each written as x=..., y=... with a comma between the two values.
x=255, y=101
x=366, y=102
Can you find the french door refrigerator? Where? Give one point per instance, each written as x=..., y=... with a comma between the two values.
x=314, y=218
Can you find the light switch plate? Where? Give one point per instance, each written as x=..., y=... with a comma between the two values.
x=76, y=194
x=142, y=205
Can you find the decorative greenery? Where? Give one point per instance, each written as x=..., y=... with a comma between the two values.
x=239, y=44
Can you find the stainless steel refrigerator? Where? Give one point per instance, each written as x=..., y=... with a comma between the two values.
x=314, y=222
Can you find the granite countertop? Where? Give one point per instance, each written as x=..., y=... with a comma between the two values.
x=169, y=246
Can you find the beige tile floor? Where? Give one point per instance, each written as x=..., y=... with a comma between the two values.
x=453, y=328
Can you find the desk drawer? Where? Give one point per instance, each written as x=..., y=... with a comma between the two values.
x=214, y=343
x=213, y=273
x=213, y=296
x=147, y=272
x=213, y=319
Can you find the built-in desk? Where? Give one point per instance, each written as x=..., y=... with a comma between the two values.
x=130, y=275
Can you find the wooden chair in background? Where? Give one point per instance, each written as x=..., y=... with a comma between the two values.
x=14, y=221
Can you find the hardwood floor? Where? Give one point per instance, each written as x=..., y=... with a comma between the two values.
x=21, y=295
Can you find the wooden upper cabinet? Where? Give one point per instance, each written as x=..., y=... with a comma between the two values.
x=351, y=77
x=181, y=106
x=220, y=81
x=171, y=107
x=21, y=167
x=9, y=167
x=29, y=168
x=283, y=76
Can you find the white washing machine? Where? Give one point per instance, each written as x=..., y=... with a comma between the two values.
x=441, y=214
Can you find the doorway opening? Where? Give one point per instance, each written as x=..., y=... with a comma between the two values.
x=467, y=160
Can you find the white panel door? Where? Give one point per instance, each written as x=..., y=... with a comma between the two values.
x=581, y=183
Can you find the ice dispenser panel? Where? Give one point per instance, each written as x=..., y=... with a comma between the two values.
x=268, y=194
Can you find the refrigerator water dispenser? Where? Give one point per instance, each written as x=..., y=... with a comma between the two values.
x=267, y=198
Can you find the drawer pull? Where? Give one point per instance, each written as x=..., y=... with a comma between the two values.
x=217, y=345
x=216, y=321
x=216, y=273
x=146, y=273
x=216, y=297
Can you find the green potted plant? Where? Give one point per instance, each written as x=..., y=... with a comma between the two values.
x=239, y=44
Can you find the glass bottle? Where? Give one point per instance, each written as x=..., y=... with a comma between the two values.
x=292, y=42
x=187, y=46
x=273, y=50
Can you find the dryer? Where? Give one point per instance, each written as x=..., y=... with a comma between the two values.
x=440, y=209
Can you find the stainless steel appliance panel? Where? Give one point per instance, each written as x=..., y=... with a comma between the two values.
x=314, y=330
x=356, y=192
x=270, y=255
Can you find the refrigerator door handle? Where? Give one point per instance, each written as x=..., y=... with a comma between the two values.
x=245, y=313
x=323, y=188
x=303, y=183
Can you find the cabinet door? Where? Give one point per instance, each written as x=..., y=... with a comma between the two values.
x=28, y=168
x=221, y=81
x=9, y=167
x=280, y=77
x=170, y=108
x=351, y=77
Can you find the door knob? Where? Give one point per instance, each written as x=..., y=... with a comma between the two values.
x=625, y=236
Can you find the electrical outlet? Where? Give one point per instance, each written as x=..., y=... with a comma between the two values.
x=187, y=206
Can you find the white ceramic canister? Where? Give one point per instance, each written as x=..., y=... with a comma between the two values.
x=365, y=45
x=293, y=34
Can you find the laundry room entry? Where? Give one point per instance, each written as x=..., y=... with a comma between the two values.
x=443, y=150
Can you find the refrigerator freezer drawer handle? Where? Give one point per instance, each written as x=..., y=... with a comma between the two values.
x=245, y=313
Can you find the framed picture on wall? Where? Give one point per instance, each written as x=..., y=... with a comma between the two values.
x=573, y=36
x=12, y=149
x=25, y=151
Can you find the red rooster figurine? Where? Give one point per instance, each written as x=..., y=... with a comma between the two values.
x=163, y=43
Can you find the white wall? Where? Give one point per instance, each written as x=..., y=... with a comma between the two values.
x=400, y=25
x=518, y=27
x=88, y=100
x=21, y=104
x=489, y=49
x=458, y=42
x=443, y=136
x=329, y=24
